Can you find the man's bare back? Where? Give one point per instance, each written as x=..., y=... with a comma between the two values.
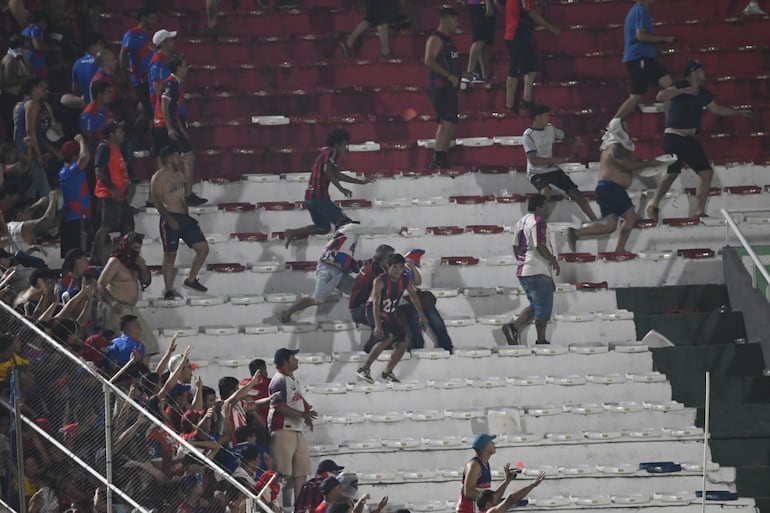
x=168, y=187
x=123, y=284
x=611, y=170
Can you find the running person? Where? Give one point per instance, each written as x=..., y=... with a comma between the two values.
x=168, y=196
x=323, y=211
x=443, y=60
x=488, y=503
x=520, y=21
x=477, y=474
x=615, y=167
x=482, y=15
x=381, y=315
x=542, y=168
x=639, y=55
x=687, y=99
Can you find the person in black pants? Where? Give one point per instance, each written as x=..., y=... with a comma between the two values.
x=482, y=15
x=380, y=14
x=687, y=99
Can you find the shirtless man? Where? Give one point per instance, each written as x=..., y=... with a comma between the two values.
x=616, y=165
x=168, y=195
x=118, y=286
x=23, y=229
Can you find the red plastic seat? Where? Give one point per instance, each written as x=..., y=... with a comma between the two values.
x=615, y=256
x=645, y=223
x=237, y=207
x=416, y=173
x=276, y=205
x=681, y=221
x=302, y=266
x=587, y=285
x=744, y=189
x=470, y=200
x=249, y=236
x=696, y=253
x=484, y=229
x=231, y=267
x=155, y=269
x=354, y=203
x=577, y=257
x=382, y=173
x=459, y=260
x=713, y=191
x=444, y=230
x=513, y=198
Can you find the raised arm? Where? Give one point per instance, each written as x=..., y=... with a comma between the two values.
x=721, y=110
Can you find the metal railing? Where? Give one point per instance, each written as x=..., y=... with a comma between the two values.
x=88, y=431
x=746, y=246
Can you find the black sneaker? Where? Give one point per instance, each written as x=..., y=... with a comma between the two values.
x=194, y=200
x=169, y=295
x=543, y=343
x=195, y=285
x=390, y=377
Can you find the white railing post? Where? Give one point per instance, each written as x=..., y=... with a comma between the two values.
x=706, y=439
x=18, y=440
x=108, y=444
x=754, y=258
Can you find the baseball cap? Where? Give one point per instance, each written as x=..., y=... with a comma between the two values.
x=329, y=484
x=162, y=35
x=282, y=355
x=481, y=440
x=539, y=109
x=692, y=66
x=328, y=466
x=70, y=149
x=176, y=361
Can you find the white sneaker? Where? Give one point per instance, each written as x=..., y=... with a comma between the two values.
x=753, y=8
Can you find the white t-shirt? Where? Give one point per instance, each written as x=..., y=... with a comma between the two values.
x=17, y=240
x=541, y=142
x=531, y=231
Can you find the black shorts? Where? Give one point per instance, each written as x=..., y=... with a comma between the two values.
x=75, y=234
x=482, y=26
x=612, y=199
x=444, y=100
x=324, y=213
x=688, y=150
x=522, y=58
x=391, y=325
x=160, y=140
x=380, y=12
x=189, y=231
x=558, y=179
x=644, y=73
x=116, y=215
x=358, y=314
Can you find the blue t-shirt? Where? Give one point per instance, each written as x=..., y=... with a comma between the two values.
x=638, y=18
x=139, y=47
x=75, y=193
x=37, y=64
x=83, y=71
x=121, y=349
x=686, y=110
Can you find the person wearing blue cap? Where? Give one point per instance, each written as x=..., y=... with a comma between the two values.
x=477, y=475
x=487, y=503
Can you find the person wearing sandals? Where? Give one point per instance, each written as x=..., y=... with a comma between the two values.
x=687, y=99
x=535, y=260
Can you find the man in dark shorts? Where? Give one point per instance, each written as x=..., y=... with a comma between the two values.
x=381, y=315
x=323, y=211
x=443, y=60
x=542, y=168
x=616, y=164
x=168, y=196
x=111, y=188
x=75, y=229
x=167, y=127
x=687, y=99
x=380, y=14
x=482, y=15
x=520, y=21
x=639, y=56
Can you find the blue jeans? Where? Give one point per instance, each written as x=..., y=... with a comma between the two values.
x=539, y=290
x=435, y=322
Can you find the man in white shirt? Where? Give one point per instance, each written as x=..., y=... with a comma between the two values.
x=535, y=260
x=542, y=167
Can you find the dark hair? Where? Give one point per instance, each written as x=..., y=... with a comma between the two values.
x=125, y=320
x=208, y=391
x=30, y=84
x=99, y=87
x=337, y=136
x=38, y=16
x=485, y=498
x=6, y=341
x=70, y=258
x=20, y=205
x=166, y=152
x=64, y=328
x=383, y=251
x=42, y=273
x=243, y=433
x=448, y=12
x=146, y=11
x=227, y=386
x=257, y=364
x=535, y=201
x=176, y=61
x=17, y=41
x=93, y=39
x=249, y=453
x=396, y=258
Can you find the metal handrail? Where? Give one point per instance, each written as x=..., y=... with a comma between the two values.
x=255, y=496
x=754, y=258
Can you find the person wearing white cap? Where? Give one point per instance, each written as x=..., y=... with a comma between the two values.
x=477, y=475
x=163, y=40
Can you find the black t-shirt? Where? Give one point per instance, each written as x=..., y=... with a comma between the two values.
x=686, y=110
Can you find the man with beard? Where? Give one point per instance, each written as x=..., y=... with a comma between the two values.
x=168, y=195
x=119, y=287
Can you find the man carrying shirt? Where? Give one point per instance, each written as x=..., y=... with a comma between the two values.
x=136, y=54
x=75, y=231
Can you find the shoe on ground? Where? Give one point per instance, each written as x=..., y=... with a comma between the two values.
x=390, y=377
x=511, y=334
x=195, y=285
x=543, y=343
x=365, y=375
x=478, y=79
x=195, y=201
x=168, y=295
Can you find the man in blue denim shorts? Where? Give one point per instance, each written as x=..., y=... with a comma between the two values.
x=535, y=260
x=323, y=211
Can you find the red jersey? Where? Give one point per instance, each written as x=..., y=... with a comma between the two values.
x=362, y=287
x=516, y=17
x=318, y=186
x=160, y=447
x=259, y=391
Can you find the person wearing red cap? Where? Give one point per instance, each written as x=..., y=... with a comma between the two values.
x=75, y=230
